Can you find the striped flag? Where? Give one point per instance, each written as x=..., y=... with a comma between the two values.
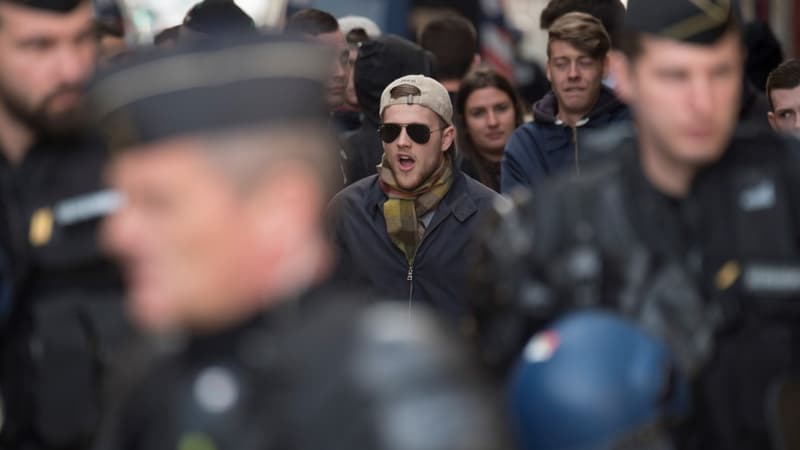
x=497, y=38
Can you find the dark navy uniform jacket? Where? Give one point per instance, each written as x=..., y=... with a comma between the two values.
x=736, y=236
x=323, y=371
x=62, y=299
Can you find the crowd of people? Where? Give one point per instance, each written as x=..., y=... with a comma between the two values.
x=328, y=237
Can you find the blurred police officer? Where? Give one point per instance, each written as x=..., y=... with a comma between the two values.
x=63, y=295
x=686, y=225
x=225, y=171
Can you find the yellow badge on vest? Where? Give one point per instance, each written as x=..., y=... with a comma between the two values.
x=41, y=227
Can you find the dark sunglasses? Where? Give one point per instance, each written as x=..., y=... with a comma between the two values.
x=418, y=132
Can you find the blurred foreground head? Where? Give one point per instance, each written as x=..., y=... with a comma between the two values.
x=216, y=19
x=681, y=71
x=223, y=167
x=596, y=381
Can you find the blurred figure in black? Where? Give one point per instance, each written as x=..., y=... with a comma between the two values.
x=222, y=240
x=764, y=53
x=215, y=19
x=685, y=224
x=110, y=31
x=783, y=93
x=66, y=297
x=454, y=42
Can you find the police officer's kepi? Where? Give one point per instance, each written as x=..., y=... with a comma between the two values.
x=61, y=6
x=693, y=21
x=209, y=86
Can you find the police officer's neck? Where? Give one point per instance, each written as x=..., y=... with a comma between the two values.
x=668, y=175
x=15, y=138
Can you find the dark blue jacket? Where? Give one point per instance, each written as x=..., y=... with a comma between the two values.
x=539, y=148
x=368, y=258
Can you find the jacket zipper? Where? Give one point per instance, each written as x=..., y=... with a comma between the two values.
x=577, y=155
x=410, y=279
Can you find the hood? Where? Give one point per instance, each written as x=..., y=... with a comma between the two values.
x=545, y=110
x=382, y=61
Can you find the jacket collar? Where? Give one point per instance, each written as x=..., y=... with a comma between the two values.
x=546, y=109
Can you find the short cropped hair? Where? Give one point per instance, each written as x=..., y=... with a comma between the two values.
x=785, y=76
x=584, y=32
x=312, y=21
x=454, y=42
x=610, y=12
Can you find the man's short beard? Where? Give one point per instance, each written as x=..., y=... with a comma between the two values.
x=64, y=125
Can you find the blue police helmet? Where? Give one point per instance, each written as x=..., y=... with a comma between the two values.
x=595, y=381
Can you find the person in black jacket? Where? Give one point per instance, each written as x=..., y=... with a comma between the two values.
x=223, y=244
x=578, y=103
x=405, y=232
x=65, y=314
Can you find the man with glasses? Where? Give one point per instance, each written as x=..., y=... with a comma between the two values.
x=405, y=232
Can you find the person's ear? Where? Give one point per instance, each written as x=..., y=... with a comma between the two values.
x=619, y=70
x=448, y=137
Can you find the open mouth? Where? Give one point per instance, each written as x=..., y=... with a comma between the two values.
x=405, y=162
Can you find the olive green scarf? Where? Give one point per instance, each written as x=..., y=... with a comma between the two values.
x=403, y=209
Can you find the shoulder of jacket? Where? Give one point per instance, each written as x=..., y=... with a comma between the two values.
x=479, y=191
